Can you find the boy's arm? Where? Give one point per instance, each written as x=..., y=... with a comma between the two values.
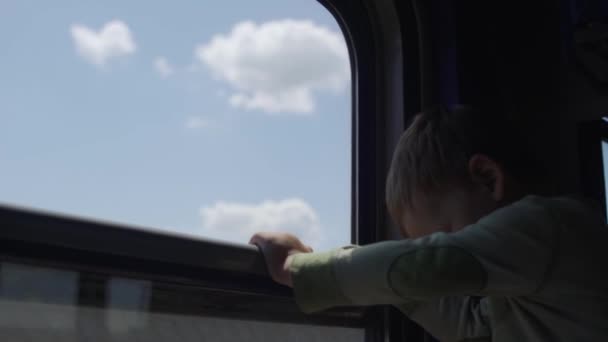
x=506, y=253
x=455, y=318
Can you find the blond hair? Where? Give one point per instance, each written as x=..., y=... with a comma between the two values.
x=432, y=155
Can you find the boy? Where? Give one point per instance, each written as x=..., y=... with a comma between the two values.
x=483, y=261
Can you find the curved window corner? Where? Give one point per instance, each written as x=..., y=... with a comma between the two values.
x=142, y=144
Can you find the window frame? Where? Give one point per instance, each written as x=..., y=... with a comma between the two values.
x=387, y=92
x=100, y=250
x=383, y=44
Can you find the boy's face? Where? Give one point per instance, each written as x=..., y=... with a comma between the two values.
x=449, y=212
x=460, y=205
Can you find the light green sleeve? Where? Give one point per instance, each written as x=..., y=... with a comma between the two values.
x=506, y=253
x=454, y=318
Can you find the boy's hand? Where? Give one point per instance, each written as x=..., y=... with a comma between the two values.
x=278, y=248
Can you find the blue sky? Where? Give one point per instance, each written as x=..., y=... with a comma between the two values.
x=200, y=117
x=605, y=160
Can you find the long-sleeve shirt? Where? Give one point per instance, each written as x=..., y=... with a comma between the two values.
x=535, y=270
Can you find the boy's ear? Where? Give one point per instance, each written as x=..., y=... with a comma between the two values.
x=488, y=174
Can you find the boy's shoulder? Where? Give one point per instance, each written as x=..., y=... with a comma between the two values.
x=542, y=218
x=565, y=208
x=559, y=208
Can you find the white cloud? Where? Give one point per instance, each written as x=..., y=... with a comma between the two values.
x=236, y=222
x=113, y=40
x=163, y=67
x=194, y=122
x=277, y=66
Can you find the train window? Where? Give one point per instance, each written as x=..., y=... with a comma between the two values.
x=135, y=136
x=202, y=118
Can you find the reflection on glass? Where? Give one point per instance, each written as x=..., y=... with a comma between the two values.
x=41, y=304
x=37, y=298
x=130, y=298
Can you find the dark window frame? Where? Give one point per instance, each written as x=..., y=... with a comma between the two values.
x=384, y=43
x=382, y=38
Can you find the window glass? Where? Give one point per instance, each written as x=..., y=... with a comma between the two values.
x=605, y=162
x=42, y=297
x=42, y=304
x=209, y=118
